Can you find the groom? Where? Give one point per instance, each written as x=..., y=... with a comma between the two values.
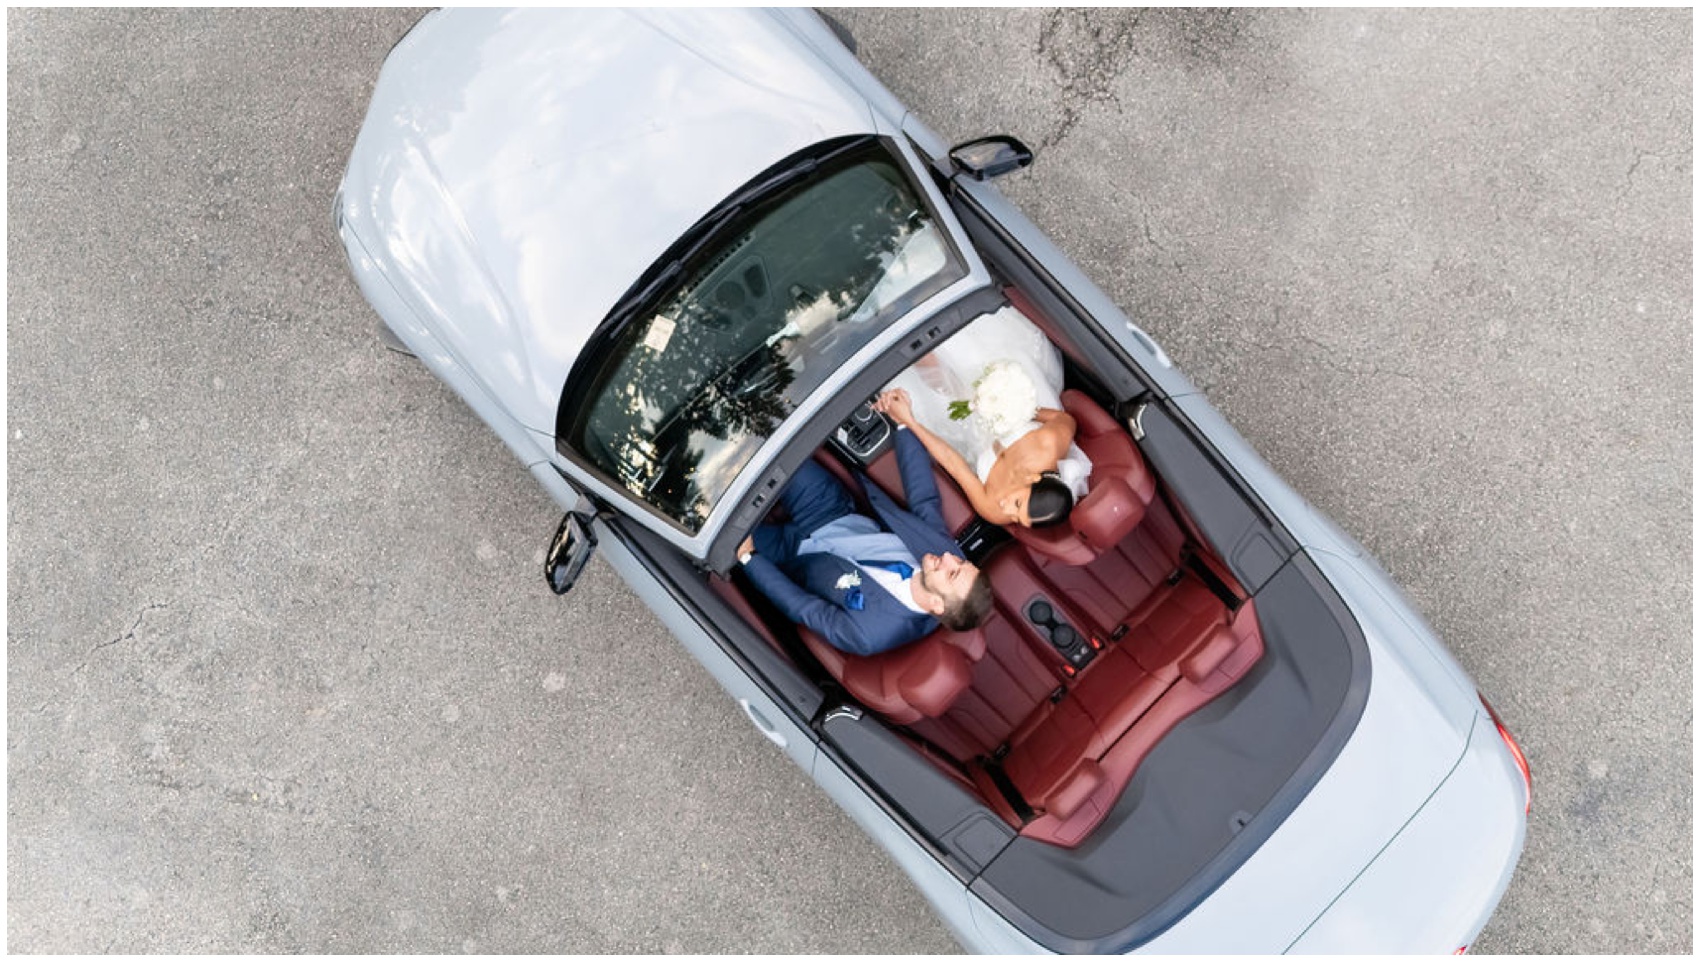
x=866, y=585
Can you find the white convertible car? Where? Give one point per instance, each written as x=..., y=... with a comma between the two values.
x=670, y=256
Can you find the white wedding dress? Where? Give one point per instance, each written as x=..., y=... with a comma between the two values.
x=1004, y=335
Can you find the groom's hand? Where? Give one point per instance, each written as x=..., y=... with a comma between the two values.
x=895, y=405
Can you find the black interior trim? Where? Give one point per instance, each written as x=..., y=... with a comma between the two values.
x=999, y=248
x=1236, y=526
x=1007, y=789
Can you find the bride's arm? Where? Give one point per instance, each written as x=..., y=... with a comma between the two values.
x=1058, y=428
x=895, y=404
x=1050, y=416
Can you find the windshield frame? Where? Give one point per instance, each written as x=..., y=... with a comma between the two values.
x=662, y=280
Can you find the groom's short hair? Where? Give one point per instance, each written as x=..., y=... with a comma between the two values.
x=967, y=613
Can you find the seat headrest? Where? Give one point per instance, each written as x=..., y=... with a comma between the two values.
x=919, y=680
x=932, y=681
x=1108, y=513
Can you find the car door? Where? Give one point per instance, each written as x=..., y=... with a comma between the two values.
x=768, y=692
x=936, y=832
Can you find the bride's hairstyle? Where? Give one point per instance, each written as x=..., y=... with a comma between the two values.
x=1049, y=500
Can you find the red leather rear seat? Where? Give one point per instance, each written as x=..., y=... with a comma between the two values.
x=1110, y=590
x=1008, y=684
x=1072, y=762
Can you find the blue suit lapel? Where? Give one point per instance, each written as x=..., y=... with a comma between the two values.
x=831, y=577
x=823, y=575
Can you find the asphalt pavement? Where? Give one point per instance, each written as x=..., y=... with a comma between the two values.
x=282, y=674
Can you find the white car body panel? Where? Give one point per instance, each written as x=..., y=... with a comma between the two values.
x=482, y=146
x=1450, y=880
x=935, y=882
x=757, y=706
x=491, y=245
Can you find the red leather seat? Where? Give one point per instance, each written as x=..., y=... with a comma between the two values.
x=1119, y=490
x=1073, y=758
x=917, y=681
x=920, y=680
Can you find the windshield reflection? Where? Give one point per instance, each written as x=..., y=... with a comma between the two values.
x=761, y=319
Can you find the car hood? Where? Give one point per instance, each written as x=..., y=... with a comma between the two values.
x=518, y=170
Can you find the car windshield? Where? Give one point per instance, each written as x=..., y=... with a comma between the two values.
x=776, y=301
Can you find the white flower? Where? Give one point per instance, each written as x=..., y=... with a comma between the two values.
x=848, y=581
x=1005, y=398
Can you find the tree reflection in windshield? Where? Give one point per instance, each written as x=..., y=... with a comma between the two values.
x=689, y=395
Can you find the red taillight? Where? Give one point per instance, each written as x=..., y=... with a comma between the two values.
x=1460, y=950
x=1516, y=755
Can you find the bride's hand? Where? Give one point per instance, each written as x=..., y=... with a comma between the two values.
x=895, y=405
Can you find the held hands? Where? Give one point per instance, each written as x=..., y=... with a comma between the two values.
x=894, y=404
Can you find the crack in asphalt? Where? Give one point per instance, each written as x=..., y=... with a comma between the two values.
x=1641, y=155
x=1324, y=357
x=1087, y=48
x=128, y=635
x=265, y=792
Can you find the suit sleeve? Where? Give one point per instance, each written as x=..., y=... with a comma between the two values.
x=837, y=626
x=920, y=487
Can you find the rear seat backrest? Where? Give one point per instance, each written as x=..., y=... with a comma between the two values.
x=1009, y=683
x=1074, y=758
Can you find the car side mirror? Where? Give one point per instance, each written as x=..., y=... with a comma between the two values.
x=990, y=157
x=575, y=542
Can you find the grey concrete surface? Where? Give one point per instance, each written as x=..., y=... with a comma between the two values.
x=281, y=673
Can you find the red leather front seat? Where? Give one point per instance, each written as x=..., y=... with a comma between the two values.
x=919, y=680
x=1119, y=489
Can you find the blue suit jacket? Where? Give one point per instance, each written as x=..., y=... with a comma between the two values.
x=806, y=587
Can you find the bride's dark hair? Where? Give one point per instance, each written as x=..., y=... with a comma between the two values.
x=1049, y=500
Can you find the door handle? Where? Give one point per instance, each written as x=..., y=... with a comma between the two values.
x=762, y=724
x=1146, y=342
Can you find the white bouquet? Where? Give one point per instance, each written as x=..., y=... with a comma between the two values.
x=1004, y=399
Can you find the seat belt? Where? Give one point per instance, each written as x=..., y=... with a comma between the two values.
x=994, y=770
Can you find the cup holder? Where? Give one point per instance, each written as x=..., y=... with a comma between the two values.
x=1056, y=629
x=1064, y=637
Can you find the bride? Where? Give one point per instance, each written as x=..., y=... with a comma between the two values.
x=986, y=405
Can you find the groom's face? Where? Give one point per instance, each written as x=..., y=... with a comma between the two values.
x=947, y=577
